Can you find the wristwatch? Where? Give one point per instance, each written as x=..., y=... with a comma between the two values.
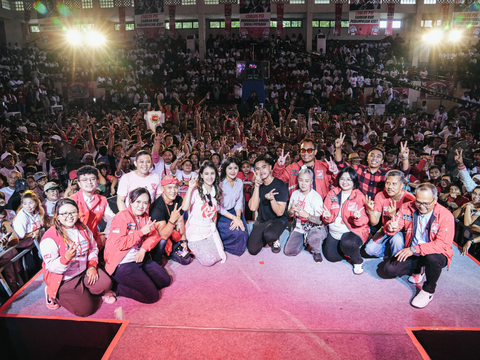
x=412, y=249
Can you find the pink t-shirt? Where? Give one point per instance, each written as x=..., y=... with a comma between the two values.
x=131, y=181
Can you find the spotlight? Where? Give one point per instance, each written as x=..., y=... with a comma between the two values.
x=94, y=39
x=74, y=37
x=433, y=37
x=454, y=35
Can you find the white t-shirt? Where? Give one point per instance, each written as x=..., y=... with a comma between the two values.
x=49, y=206
x=8, y=193
x=131, y=181
x=312, y=203
x=25, y=223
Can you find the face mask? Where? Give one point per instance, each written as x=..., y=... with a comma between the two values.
x=2, y=208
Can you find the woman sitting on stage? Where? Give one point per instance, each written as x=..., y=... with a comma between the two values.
x=132, y=234
x=70, y=256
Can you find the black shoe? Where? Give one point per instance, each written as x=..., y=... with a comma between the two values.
x=317, y=257
x=276, y=247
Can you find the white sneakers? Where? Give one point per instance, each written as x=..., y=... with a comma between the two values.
x=109, y=297
x=358, y=269
x=422, y=299
x=417, y=278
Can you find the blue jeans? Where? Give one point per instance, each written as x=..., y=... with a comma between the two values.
x=383, y=245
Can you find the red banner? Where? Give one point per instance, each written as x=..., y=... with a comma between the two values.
x=228, y=20
x=121, y=20
x=399, y=92
x=470, y=115
x=26, y=25
x=338, y=20
x=446, y=88
x=390, y=14
x=78, y=90
x=171, y=10
x=280, y=19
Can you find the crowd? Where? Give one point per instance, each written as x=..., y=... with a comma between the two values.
x=344, y=186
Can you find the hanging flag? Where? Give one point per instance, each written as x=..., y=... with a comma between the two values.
x=154, y=119
x=149, y=19
x=26, y=25
x=390, y=14
x=121, y=21
x=171, y=9
x=338, y=19
x=228, y=20
x=279, y=19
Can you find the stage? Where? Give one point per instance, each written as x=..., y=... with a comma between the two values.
x=271, y=306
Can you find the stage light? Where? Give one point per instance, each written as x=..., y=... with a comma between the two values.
x=433, y=37
x=94, y=39
x=454, y=35
x=74, y=37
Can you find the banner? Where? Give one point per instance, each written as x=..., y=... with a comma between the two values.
x=154, y=119
x=254, y=19
x=466, y=15
x=470, y=115
x=446, y=88
x=280, y=9
x=364, y=22
x=171, y=10
x=78, y=90
x=228, y=20
x=390, y=14
x=121, y=20
x=149, y=18
x=338, y=20
x=26, y=25
x=399, y=92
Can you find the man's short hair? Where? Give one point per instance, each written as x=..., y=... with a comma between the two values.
x=427, y=186
x=269, y=161
x=378, y=149
x=310, y=141
x=87, y=169
x=398, y=173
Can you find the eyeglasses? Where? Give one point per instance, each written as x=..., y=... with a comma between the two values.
x=89, y=180
x=424, y=204
x=303, y=151
x=346, y=180
x=69, y=214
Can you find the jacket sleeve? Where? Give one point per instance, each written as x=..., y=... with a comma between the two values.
x=401, y=222
x=281, y=172
x=466, y=178
x=444, y=239
x=119, y=233
x=152, y=239
x=415, y=170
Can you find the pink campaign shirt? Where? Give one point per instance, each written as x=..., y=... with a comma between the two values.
x=131, y=181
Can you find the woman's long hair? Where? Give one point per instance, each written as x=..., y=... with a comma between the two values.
x=195, y=165
x=32, y=195
x=218, y=191
x=226, y=164
x=353, y=176
x=58, y=225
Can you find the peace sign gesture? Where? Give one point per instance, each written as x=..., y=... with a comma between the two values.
x=370, y=203
x=392, y=208
x=459, y=157
x=71, y=252
x=332, y=166
x=326, y=214
x=271, y=195
x=148, y=227
x=339, y=141
x=193, y=180
x=404, y=150
x=282, y=158
x=357, y=213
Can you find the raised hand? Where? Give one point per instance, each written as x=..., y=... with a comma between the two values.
x=393, y=224
x=175, y=215
x=148, y=227
x=369, y=203
x=271, y=195
x=404, y=150
x=357, y=213
x=392, y=208
x=326, y=214
x=193, y=181
x=282, y=158
x=339, y=141
x=258, y=180
x=459, y=156
x=71, y=252
x=332, y=166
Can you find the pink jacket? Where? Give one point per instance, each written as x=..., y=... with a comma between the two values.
x=124, y=234
x=355, y=202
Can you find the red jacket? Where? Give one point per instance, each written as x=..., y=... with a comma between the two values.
x=323, y=177
x=91, y=217
x=356, y=201
x=441, y=230
x=53, y=280
x=124, y=234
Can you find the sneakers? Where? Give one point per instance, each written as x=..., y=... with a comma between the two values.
x=109, y=297
x=358, y=269
x=276, y=247
x=317, y=257
x=422, y=299
x=51, y=304
x=417, y=278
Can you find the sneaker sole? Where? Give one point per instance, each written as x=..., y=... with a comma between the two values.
x=422, y=307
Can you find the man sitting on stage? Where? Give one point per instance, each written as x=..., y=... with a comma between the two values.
x=429, y=231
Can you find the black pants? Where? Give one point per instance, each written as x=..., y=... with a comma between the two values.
x=434, y=263
x=349, y=245
x=264, y=233
x=159, y=251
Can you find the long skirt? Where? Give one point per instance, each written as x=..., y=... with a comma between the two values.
x=234, y=241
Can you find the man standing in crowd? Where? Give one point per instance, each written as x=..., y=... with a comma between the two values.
x=429, y=229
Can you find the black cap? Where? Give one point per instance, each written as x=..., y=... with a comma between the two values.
x=21, y=185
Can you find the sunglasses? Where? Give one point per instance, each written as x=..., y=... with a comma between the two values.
x=303, y=151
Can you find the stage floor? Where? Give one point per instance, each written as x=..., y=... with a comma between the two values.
x=271, y=306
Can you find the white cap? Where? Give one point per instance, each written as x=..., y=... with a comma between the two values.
x=56, y=137
x=5, y=155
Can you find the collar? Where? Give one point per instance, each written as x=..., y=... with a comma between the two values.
x=212, y=193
